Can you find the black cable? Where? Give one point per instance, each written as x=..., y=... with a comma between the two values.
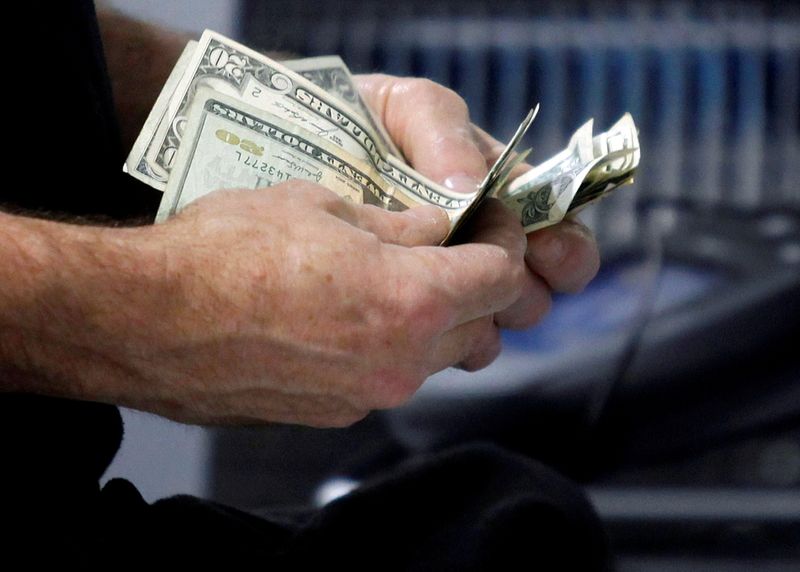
x=654, y=264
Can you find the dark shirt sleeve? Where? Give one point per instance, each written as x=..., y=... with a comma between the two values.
x=65, y=157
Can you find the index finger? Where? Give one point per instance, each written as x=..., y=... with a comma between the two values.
x=480, y=277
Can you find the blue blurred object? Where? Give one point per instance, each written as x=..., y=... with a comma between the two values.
x=609, y=305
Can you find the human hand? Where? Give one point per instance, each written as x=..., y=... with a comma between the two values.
x=431, y=126
x=285, y=304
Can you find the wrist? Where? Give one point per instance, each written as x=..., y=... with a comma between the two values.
x=70, y=300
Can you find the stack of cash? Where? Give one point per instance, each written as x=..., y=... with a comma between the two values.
x=230, y=117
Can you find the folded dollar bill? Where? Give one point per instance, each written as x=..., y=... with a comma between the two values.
x=229, y=116
x=588, y=169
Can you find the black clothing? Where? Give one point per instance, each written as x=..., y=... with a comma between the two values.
x=66, y=130
x=470, y=509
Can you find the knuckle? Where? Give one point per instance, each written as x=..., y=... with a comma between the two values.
x=516, y=277
x=511, y=234
x=534, y=304
x=427, y=90
x=423, y=87
x=421, y=313
x=400, y=225
x=370, y=245
x=307, y=191
x=486, y=350
x=324, y=198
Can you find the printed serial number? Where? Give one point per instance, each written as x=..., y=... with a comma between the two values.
x=261, y=166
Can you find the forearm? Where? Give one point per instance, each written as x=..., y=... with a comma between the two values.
x=140, y=56
x=66, y=292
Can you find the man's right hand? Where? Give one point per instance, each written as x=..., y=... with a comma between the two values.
x=285, y=304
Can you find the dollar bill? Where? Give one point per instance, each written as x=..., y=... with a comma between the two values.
x=231, y=144
x=622, y=136
x=586, y=170
x=225, y=66
x=136, y=164
x=328, y=119
x=332, y=75
x=542, y=196
x=313, y=124
x=603, y=178
x=497, y=174
x=230, y=68
x=328, y=72
x=577, y=154
x=545, y=201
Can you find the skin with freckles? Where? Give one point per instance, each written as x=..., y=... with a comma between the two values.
x=285, y=304
x=244, y=309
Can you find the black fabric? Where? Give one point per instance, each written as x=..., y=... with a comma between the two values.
x=468, y=509
x=66, y=152
x=57, y=444
x=475, y=508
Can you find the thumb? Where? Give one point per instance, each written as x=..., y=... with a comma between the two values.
x=430, y=123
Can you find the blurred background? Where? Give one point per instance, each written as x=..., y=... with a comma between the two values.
x=671, y=387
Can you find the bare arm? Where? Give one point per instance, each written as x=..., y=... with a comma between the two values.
x=287, y=304
x=62, y=285
x=140, y=56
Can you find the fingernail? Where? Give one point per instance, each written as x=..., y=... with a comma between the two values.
x=462, y=183
x=548, y=251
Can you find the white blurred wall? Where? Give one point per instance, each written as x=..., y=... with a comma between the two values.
x=189, y=15
x=160, y=457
